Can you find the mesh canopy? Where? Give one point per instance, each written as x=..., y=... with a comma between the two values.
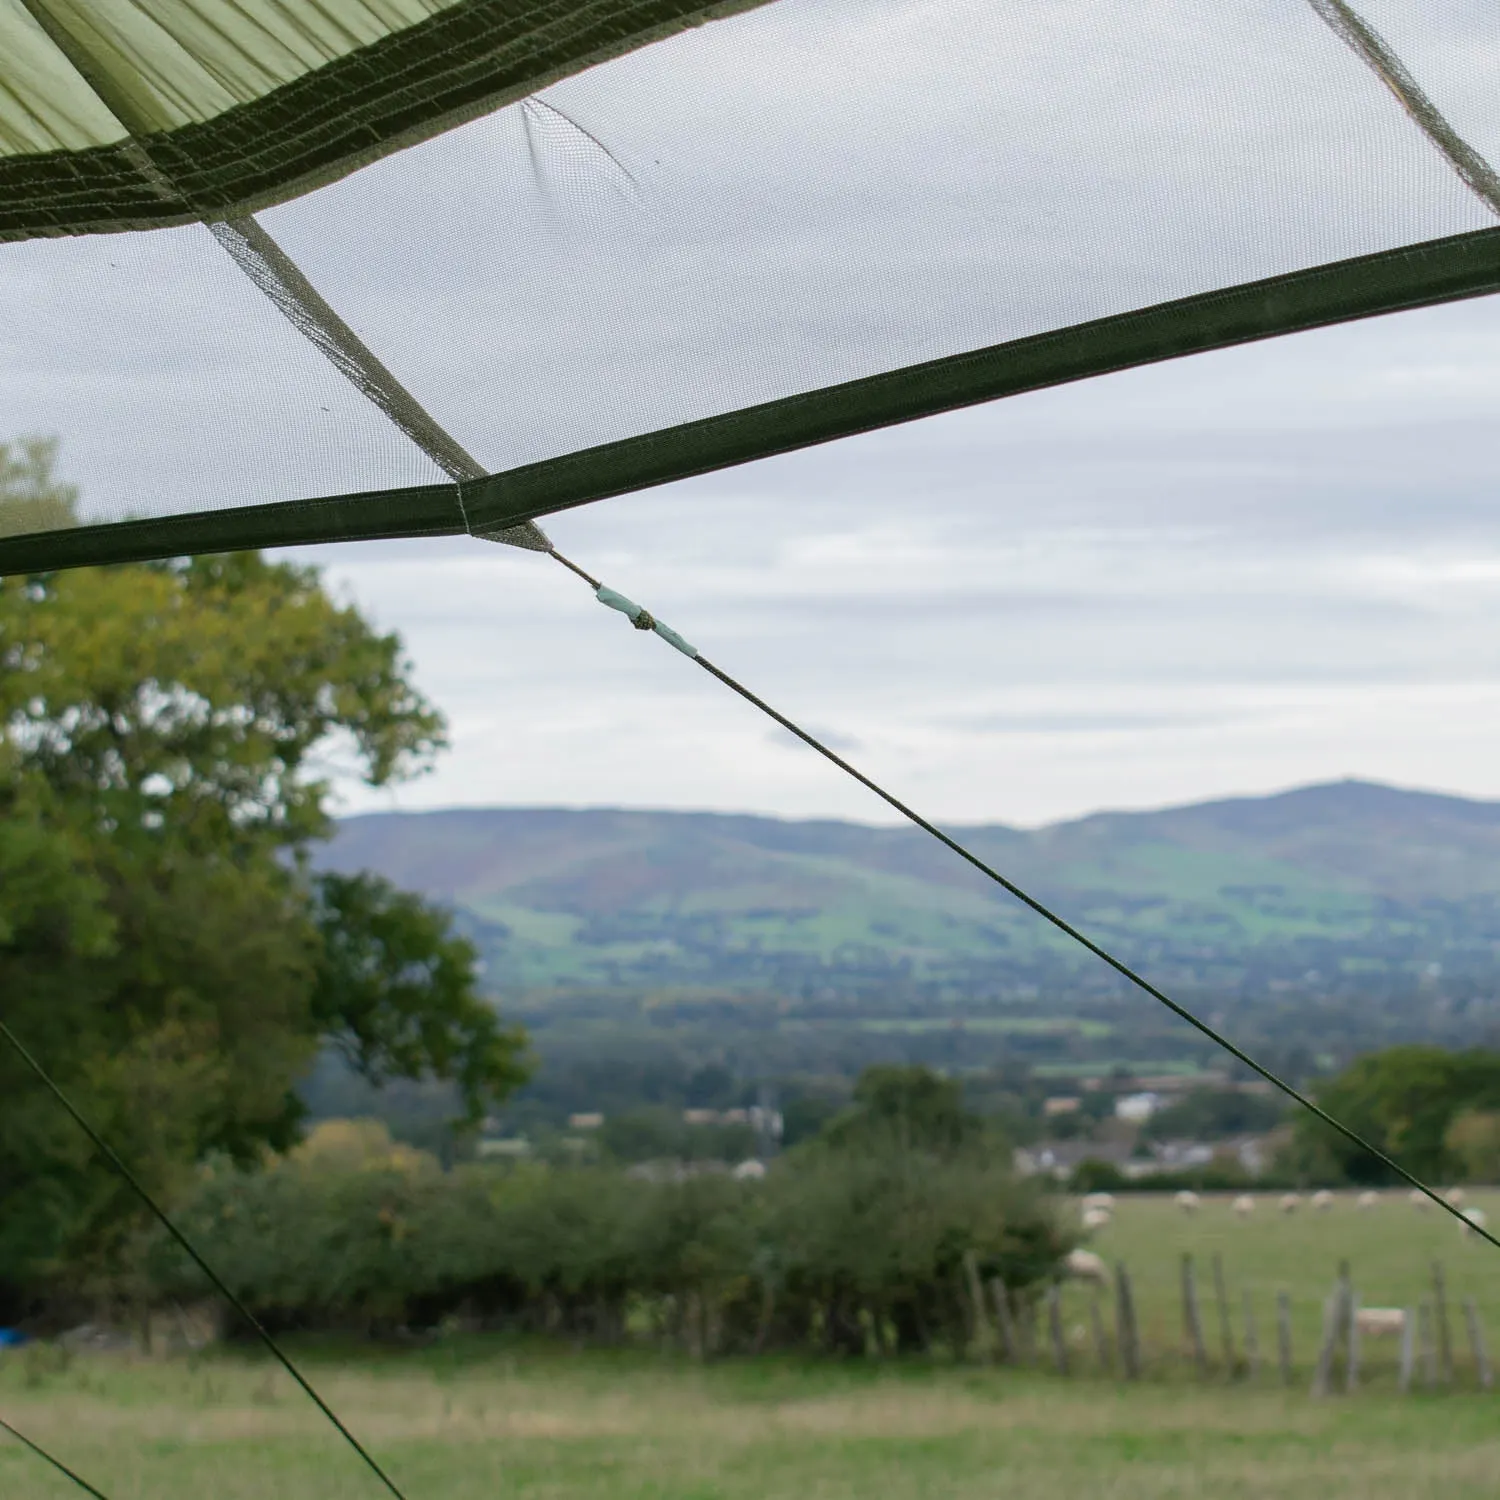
x=797, y=221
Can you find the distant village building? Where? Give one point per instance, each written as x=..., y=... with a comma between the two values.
x=1137, y=1108
x=763, y=1121
x=1059, y=1158
x=1179, y=1156
x=1062, y=1104
x=512, y=1146
x=589, y=1120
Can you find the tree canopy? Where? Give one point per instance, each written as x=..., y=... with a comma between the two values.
x=1426, y=1107
x=165, y=741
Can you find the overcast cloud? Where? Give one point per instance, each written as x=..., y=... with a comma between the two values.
x=1234, y=573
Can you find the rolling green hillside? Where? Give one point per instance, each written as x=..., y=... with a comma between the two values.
x=1348, y=879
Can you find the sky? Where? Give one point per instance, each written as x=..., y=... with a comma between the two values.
x=1230, y=574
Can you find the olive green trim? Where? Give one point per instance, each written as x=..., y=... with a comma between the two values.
x=1466, y=265
x=371, y=515
x=467, y=60
x=1447, y=270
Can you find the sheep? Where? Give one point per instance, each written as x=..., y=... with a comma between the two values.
x=1380, y=1322
x=1099, y=1200
x=1322, y=1200
x=1289, y=1203
x=1455, y=1196
x=1187, y=1201
x=1477, y=1220
x=1096, y=1218
x=1084, y=1265
x=1419, y=1200
x=1367, y=1200
x=1243, y=1206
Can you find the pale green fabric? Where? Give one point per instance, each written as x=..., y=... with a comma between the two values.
x=44, y=104
x=166, y=63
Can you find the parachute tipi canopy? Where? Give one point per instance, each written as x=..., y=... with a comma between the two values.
x=510, y=256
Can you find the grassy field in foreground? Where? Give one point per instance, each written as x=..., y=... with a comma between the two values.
x=469, y=1421
x=472, y=1418
x=1390, y=1249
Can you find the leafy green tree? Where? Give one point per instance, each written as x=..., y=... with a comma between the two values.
x=911, y=1108
x=1403, y=1100
x=1472, y=1141
x=32, y=497
x=163, y=949
x=395, y=991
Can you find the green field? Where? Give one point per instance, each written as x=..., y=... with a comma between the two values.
x=473, y=1417
x=1390, y=1249
x=558, y=1425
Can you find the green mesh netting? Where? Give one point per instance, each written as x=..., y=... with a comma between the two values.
x=786, y=223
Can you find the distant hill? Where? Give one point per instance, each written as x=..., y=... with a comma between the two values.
x=1349, y=882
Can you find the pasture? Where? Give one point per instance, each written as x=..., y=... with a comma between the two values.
x=1390, y=1248
x=471, y=1421
x=472, y=1417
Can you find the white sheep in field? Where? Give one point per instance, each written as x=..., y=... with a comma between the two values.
x=1477, y=1220
x=1380, y=1322
x=1084, y=1265
x=1289, y=1203
x=1367, y=1200
x=1455, y=1196
x=1099, y=1200
x=1322, y=1200
x=1243, y=1206
x=1419, y=1200
x=1096, y=1218
x=1187, y=1201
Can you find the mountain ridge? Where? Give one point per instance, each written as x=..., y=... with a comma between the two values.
x=1348, y=873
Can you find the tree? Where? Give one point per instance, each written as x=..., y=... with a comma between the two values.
x=1404, y=1101
x=163, y=948
x=1212, y=1114
x=874, y=1215
x=911, y=1108
x=32, y=497
x=395, y=992
x=1472, y=1142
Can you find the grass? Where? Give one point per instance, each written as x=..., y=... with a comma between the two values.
x=1390, y=1250
x=473, y=1417
x=477, y=1421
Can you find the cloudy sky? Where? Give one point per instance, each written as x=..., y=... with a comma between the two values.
x=1236, y=573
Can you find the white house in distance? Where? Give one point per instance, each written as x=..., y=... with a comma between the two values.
x=1137, y=1108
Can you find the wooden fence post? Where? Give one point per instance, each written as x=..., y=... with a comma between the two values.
x=980, y=1331
x=1028, y=1338
x=1335, y=1314
x=1191, y=1322
x=1252, y=1343
x=1408, y=1350
x=1482, y=1369
x=1440, y=1317
x=1428, y=1346
x=1055, y=1328
x=1352, y=1346
x=1284, y=1336
x=1127, y=1335
x=1000, y=1300
x=1101, y=1338
x=1226, y=1332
